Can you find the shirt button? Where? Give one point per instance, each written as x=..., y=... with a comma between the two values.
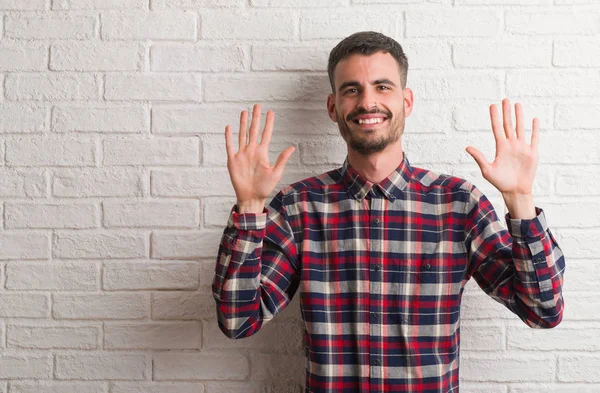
x=375, y=315
x=376, y=221
x=376, y=267
x=427, y=267
x=376, y=362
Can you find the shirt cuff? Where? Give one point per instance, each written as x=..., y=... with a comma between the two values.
x=247, y=221
x=535, y=227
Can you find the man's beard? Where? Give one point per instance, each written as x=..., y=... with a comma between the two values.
x=368, y=145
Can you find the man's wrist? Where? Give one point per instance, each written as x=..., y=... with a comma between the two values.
x=520, y=206
x=255, y=207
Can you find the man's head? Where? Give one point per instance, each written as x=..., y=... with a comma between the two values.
x=369, y=99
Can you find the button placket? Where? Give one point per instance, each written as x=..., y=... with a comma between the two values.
x=376, y=277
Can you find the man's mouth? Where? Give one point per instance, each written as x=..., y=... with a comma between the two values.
x=369, y=121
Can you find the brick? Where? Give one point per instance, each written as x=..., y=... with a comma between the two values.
x=199, y=366
x=430, y=117
x=197, y=4
x=27, y=215
x=453, y=23
x=216, y=211
x=185, y=244
x=581, y=271
x=176, y=214
x=156, y=25
x=191, y=183
x=507, y=368
x=248, y=25
x=93, y=118
x=571, y=215
x=113, y=182
x=57, y=387
x=23, y=57
x=96, y=56
x=17, y=118
x=580, y=368
x=273, y=337
x=182, y=306
x=577, y=53
x=155, y=151
x=557, y=388
x=330, y=152
x=433, y=149
x=427, y=54
x=513, y=54
x=164, y=335
x=50, y=152
x=120, y=276
x=289, y=58
x=54, y=26
x=56, y=276
x=101, y=306
x=156, y=387
x=102, y=366
x=538, y=22
x=503, y=2
x=98, y=4
x=574, y=337
x=266, y=367
x=16, y=183
x=52, y=87
x=334, y=24
x=477, y=306
x=453, y=84
x=12, y=5
x=260, y=87
x=295, y=4
x=188, y=57
x=97, y=245
x=234, y=387
x=581, y=306
x=53, y=336
x=541, y=83
x=24, y=305
x=161, y=87
x=201, y=120
x=577, y=115
x=577, y=149
x=26, y=366
x=479, y=387
x=24, y=245
x=578, y=244
x=482, y=337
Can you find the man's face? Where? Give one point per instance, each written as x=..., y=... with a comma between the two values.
x=369, y=104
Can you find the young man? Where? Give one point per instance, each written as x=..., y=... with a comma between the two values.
x=381, y=250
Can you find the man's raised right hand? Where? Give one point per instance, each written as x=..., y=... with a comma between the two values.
x=252, y=176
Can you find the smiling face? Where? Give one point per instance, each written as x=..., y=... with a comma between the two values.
x=369, y=104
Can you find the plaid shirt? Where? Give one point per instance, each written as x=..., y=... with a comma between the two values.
x=381, y=270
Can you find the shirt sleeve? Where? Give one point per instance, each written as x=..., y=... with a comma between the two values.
x=256, y=273
x=521, y=267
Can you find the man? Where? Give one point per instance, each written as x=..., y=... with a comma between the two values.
x=381, y=250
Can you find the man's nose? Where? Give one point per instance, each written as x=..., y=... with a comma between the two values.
x=368, y=99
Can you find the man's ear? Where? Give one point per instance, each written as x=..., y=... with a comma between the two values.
x=409, y=100
x=331, y=107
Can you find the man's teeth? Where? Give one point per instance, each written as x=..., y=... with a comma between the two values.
x=374, y=120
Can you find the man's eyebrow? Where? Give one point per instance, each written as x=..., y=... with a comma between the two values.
x=383, y=81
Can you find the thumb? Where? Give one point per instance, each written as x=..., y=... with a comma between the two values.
x=283, y=159
x=479, y=158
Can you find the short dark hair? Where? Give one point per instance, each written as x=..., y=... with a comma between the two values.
x=367, y=43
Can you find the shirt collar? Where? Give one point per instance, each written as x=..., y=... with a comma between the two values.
x=391, y=187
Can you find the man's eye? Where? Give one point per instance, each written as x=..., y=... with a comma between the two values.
x=350, y=91
x=384, y=88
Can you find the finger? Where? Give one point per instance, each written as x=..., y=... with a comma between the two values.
x=479, y=158
x=520, y=121
x=496, y=126
x=255, y=124
x=535, y=133
x=229, y=142
x=507, y=117
x=268, y=131
x=283, y=159
x=243, y=129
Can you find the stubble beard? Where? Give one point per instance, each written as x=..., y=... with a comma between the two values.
x=366, y=145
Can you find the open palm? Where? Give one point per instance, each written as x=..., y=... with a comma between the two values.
x=514, y=166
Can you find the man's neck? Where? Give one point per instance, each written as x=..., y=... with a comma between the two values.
x=376, y=167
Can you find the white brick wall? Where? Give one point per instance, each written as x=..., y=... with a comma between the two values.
x=114, y=188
